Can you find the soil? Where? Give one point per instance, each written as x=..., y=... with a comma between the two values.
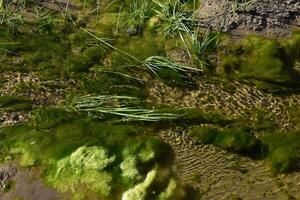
x=17, y=183
x=267, y=17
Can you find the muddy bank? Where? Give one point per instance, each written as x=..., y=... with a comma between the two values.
x=17, y=183
x=267, y=17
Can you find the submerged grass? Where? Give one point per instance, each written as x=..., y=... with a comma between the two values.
x=15, y=103
x=153, y=63
x=120, y=106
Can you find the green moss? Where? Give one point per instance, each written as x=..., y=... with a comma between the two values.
x=232, y=139
x=176, y=78
x=114, y=84
x=50, y=116
x=15, y=103
x=84, y=166
x=139, y=47
x=72, y=151
x=236, y=139
x=284, y=151
x=229, y=65
x=194, y=116
x=205, y=135
x=263, y=60
x=26, y=142
x=292, y=44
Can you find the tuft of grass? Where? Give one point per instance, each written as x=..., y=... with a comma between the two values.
x=152, y=63
x=43, y=21
x=176, y=20
x=140, y=12
x=157, y=63
x=13, y=20
x=201, y=44
x=121, y=106
x=242, y=5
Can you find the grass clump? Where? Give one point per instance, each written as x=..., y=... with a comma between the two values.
x=140, y=12
x=121, y=106
x=176, y=20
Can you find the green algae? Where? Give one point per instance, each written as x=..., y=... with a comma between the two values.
x=206, y=135
x=15, y=103
x=83, y=166
x=72, y=149
x=114, y=83
x=283, y=151
x=50, y=116
x=232, y=139
x=268, y=62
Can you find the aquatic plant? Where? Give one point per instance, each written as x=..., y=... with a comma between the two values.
x=15, y=103
x=237, y=139
x=168, y=193
x=140, y=11
x=232, y=139
x=139, y=191
x=48, y=117
x=119, y=106
x=13, y=20
x=43, y=21
x=263, y=61
x=205, y=135
x=199, y=45
x=158, y=63
x=177, y=21
x=129, y=168
x=284, y=151
x=83, y=166
x=152, y=63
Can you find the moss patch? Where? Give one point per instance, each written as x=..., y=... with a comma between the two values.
x=15, y=103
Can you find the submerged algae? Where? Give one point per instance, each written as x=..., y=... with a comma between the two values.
x=284, y=151
x=263, y=60
x=139, y=191
x=15, y=103
x=81, y=149
x=84, y=166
